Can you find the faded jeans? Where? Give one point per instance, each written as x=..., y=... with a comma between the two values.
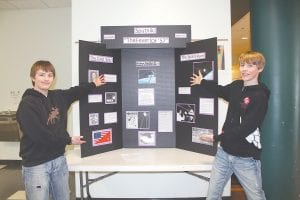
x=246, y=169
x=47, y=180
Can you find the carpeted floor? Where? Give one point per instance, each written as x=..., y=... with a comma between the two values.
x=10, y=179
x=11, y=185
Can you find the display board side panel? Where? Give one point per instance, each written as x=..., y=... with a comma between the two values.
x=196, y=108
x=100, y=111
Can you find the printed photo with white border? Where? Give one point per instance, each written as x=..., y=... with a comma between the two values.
x=147, y=138
x=197, y=132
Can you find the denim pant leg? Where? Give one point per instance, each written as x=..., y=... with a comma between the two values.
x=59, y=179
x=221, y=173
x=248, y=172
x=36, y=181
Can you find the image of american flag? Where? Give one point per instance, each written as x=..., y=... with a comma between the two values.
x=101, y=137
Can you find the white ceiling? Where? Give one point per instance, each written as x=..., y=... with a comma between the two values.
x=240, y=37
x=33, y=4
x=240, y=29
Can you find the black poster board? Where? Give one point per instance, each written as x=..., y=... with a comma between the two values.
x=196, y=108
x=100, y=111
x=148, y=91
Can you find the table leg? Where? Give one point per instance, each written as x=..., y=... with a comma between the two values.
x=81, y=185
x=87, y=185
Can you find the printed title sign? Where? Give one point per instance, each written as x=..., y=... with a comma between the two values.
x=169, y=36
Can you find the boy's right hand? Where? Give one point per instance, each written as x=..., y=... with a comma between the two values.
x=77, y=140
x=196, y=79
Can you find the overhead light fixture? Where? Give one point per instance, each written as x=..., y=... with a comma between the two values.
x=244, y=38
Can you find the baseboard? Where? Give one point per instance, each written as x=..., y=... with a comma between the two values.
x=11, y=163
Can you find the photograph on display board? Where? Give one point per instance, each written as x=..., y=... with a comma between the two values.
x=185, y=112
x=137, y=119
x=110, y=97
x=144, y=119
x=206, y=68
x=92, y=75
x=146, y=138
x=101, y=137
x=197, y=132
x=146, y=76
x=93, y=119
x=131, y=119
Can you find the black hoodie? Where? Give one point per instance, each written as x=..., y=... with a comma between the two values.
x=246, y=111
x=43, y=123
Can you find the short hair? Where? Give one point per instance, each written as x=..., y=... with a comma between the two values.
x=253, y=57
x=43, y=65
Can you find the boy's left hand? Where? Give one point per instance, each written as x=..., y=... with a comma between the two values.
x=207, y=137
x=99, y=81
x=196, y=79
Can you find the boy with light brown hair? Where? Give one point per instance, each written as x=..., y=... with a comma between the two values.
x=42, y=117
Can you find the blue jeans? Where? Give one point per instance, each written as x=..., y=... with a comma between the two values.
x=47, y=180
x=247, y=170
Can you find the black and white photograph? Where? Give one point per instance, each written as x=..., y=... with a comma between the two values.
x=110, y=97
x=185, y=112
x=144, y=119
x=92, y=75
x=137, y=119
x=131, y=119
x=206, y=68
x=146, y=138
x=93, y=119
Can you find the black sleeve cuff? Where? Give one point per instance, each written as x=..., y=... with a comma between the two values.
x=69, y=140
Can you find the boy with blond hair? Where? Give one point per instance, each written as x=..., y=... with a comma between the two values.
x=240, y=147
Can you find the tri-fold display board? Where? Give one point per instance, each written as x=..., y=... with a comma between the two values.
x=147, y=100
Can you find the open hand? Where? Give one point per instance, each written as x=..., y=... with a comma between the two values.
x=99, y=80
x=196, y=79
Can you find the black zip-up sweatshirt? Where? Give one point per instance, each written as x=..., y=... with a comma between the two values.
x=43, y=123
x=246, y=111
